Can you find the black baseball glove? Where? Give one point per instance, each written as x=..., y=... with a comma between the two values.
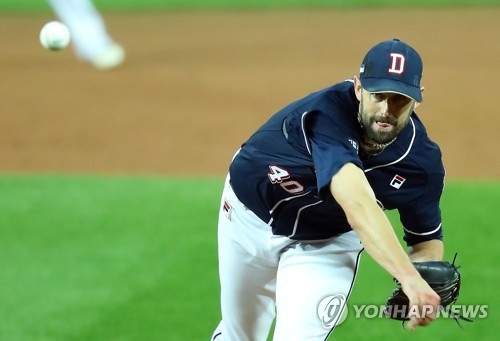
x=443, y=277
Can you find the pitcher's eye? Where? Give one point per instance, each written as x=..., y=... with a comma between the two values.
x=378, y=97
x=400, y=100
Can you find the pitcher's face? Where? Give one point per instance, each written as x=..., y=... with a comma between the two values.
x=383, y=115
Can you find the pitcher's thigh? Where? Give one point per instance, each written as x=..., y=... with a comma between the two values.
x=313, y=284
x=247, y=281
x=247, y=298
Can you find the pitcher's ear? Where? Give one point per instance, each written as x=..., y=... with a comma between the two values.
x=418, y=103
x=357, y=88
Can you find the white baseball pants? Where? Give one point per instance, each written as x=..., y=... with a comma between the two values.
x=89, y=36
x=304, y=284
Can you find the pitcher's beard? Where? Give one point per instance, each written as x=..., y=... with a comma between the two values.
x=379, y=136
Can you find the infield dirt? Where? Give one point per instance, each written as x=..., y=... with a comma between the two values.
x=196, y=84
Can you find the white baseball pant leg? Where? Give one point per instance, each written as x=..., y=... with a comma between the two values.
x=304, y=284
x=89, y=36
x=314, y=282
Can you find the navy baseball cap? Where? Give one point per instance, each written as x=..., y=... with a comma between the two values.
x=392, y=66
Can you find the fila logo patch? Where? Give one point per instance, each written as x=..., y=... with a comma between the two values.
x=397, y=63
x=397, y=181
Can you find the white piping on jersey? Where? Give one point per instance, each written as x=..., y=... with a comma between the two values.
x=424, y=233
x=302, y=123
x=287, y=199
x=306, y=141
x=404, y=155
x=298, y=217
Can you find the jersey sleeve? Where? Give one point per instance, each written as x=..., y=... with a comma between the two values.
x=332, y=144
x=421, y=219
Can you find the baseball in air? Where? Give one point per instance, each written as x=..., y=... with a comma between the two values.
x=54, y=36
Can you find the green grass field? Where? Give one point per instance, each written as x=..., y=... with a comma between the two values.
x=107, y=258
x=36, y=5
x=134, y=258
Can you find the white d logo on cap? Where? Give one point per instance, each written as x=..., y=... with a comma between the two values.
x=397, y=63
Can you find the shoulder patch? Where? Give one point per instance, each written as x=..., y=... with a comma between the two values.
x=354, y=144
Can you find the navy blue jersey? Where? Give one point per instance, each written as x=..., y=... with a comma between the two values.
x=283, y=171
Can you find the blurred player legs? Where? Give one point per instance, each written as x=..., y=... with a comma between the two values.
x=90, y=38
